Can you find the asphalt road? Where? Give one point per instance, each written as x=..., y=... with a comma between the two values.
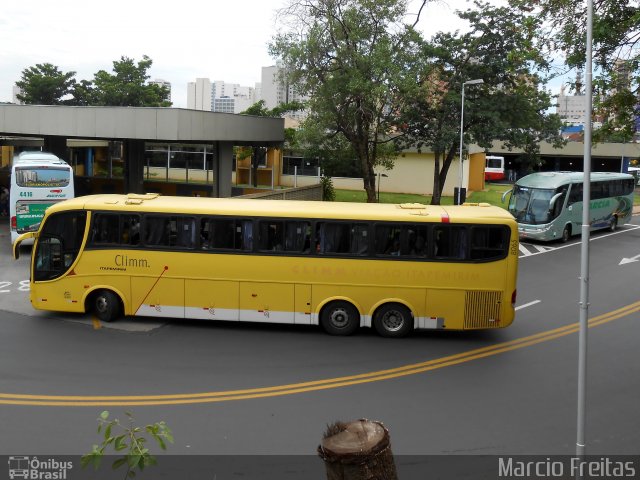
x=250, y=389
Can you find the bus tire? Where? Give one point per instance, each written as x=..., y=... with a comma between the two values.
x=340, y=318
x=106, y=306
x=613, y=226
x=566, y=234
x=393, y=320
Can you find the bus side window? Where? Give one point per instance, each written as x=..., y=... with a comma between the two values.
x=130, y=231
x=186, y=232
x=450, y=242
x=575, y=194
x=271, y=235
x=489, y=242
x=156, y=231
x=106, y=228
x=297, y=236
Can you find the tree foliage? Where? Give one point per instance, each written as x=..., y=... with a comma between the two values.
x=616, y=54
x=352, y=58
x=45, y=84
x=510, y=106
x=127, y=86
x=257, y=154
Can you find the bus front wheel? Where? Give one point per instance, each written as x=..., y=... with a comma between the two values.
x=106, y=306
x=393, y=320
x=340, y=318
x=566, y=234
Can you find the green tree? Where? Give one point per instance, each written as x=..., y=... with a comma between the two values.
x=45, y=84
x=352, y=58
x=259, y=109
x=510, y=106
x=128, y=86
x=616, y=54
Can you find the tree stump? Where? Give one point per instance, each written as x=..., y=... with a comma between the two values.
x=358, y=450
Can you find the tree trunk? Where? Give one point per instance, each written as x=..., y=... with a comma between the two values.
x=437, y=190
x=358, y=450
x=368, y=175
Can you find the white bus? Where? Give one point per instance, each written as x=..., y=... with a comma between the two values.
x=38, y=180
x=494, y=168
x=548, y=205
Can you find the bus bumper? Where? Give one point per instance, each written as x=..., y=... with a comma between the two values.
x=543, y=233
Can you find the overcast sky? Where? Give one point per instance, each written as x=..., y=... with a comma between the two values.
x=219, y=40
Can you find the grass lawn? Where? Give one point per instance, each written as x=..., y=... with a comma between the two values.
x=491, y=194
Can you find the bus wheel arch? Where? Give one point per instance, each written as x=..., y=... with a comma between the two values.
x=105, y=304
x=393, y=320
x=340, y=317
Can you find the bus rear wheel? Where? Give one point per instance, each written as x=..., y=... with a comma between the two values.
x=393, y=321
x=340, y=318
x=106, y=306
x=613, y=226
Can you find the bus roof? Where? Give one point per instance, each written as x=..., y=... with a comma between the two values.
x=283, y=208
x=37, y=158
x=557, y=179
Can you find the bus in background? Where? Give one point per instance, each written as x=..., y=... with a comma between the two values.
x=548, y=205
x=38, y=180
x=494, y=168
x=338, y=265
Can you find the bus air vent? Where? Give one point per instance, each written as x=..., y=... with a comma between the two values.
x=137, y=199
x=412, y=206
x=482, y=309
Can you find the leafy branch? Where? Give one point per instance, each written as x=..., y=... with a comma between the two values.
x=131, y=442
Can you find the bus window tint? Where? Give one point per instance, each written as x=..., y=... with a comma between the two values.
x=105, y=229
x=401, y=240
x=489, y=242
x=342, y=237
x=297, y=236
x=450, y=242
x=130, y=231
x=226, y=234
x=271, y=236
x=169, y=231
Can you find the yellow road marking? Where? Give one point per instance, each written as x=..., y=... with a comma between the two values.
x=330, y=383
x=96, y=323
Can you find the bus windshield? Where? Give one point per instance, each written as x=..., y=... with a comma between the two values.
x=531, y=205
x=42, y=177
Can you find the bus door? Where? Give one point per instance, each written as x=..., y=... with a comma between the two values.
x=574, y=207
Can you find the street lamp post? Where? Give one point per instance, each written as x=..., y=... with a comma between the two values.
x=460, y=195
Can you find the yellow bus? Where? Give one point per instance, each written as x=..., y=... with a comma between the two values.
x=342, y=266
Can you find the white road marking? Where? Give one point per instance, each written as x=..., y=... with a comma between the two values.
x=528, y=304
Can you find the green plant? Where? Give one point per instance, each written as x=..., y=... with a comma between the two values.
x=131, y=443
x=328, y=192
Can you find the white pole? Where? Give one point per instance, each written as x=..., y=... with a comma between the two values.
x=477, y=81
x=584, y=256
x=295, y=176
x=457, y=201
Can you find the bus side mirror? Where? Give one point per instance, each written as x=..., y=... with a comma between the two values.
x=19, y=240
x=553, y=200
x=506, y=193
